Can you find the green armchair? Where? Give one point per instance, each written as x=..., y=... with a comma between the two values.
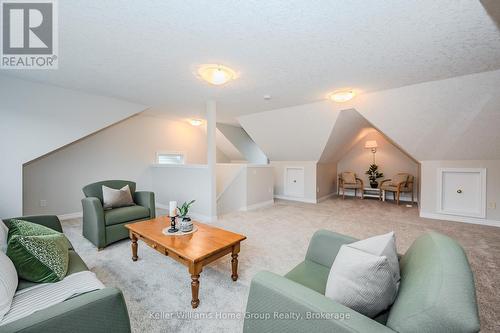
x=436, y=293
x=103, y=227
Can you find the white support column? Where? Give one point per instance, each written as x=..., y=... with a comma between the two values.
x=212, y=157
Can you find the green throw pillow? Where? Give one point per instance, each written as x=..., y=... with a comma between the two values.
x=39, y=254
x=25, y=228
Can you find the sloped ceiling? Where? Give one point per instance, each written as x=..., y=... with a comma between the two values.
x=296, y=51
x=349, y=128
x=243, y=143
x=227, y=148
x=37, y=119
x=451, y=119
x=292, y=134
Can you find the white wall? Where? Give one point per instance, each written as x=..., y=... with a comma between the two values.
x=36, y=119
x=225, y=174
x=240, y=139
x=184, y=183
x=123, y=151
x=389, y=158
x=260, y=182
x=429, y=187
x=309, y=179
x=234, y=195
x=248, y=187
x=326, y=180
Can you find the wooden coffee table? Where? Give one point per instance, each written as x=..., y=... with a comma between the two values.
x=192, y=250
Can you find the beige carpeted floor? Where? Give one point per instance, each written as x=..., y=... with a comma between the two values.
x=157, y=289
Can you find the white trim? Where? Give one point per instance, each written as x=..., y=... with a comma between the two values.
x=263, y=204
x=70, y=216
x=187, y=166
x=285, y=197
x=325, y=197
x=463, y=219
x=196, y=216
x=285, y=189
x=482, y=174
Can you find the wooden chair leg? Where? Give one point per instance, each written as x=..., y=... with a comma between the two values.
x=398, y=197
x=412, y=197
x=343, y=193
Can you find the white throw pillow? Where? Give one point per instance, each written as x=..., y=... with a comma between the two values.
x=4, y=232
x=8, y=283
x=365, y=275
x=116, y=198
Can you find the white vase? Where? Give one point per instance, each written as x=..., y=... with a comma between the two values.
x=186, y=225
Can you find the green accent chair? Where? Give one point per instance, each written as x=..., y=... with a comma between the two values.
x=100, y=311
x=103, y=227
x=436, y=293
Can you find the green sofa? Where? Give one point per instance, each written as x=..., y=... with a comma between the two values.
x=94, y=312
x=436, y=293
x=103, y=227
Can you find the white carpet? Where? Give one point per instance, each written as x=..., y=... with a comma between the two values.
x=158, y=291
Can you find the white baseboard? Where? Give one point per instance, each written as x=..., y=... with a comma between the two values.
x=70, y=216
x=259, y=205
x=462, y=219
x=325, y=197
x=284, y=197
x=194, y=215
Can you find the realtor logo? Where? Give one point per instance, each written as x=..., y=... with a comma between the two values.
x=29, y=34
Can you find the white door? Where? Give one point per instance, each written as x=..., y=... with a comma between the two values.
x=294, y=182
x=463, y=192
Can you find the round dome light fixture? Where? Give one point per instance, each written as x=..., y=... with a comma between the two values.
x=341, y=96
x=216, y=74
x=195, y=122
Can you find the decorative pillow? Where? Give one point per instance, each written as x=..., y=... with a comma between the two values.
x=116, y=198
x=4, y=232
x=39, y=253
x=349, y=177
x=365, y=275
x=41, y=258
x=8, y=283
x=399, y=178
x=25, y=228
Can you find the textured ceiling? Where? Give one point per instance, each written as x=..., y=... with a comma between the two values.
x=451, y=119
x=296, y=51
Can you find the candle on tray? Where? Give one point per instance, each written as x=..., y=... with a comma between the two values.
x=173, y=208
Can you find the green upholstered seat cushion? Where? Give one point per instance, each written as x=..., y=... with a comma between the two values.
x=437, y=292
x=40, y=254
x=125, y=214
x=75, y=265
x=311, y=275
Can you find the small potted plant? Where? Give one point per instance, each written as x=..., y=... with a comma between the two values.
x=373, y=175
x=185, y=225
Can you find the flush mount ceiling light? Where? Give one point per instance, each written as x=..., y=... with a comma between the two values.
x=341, y=96
x=216, y=74
x=195, y=122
